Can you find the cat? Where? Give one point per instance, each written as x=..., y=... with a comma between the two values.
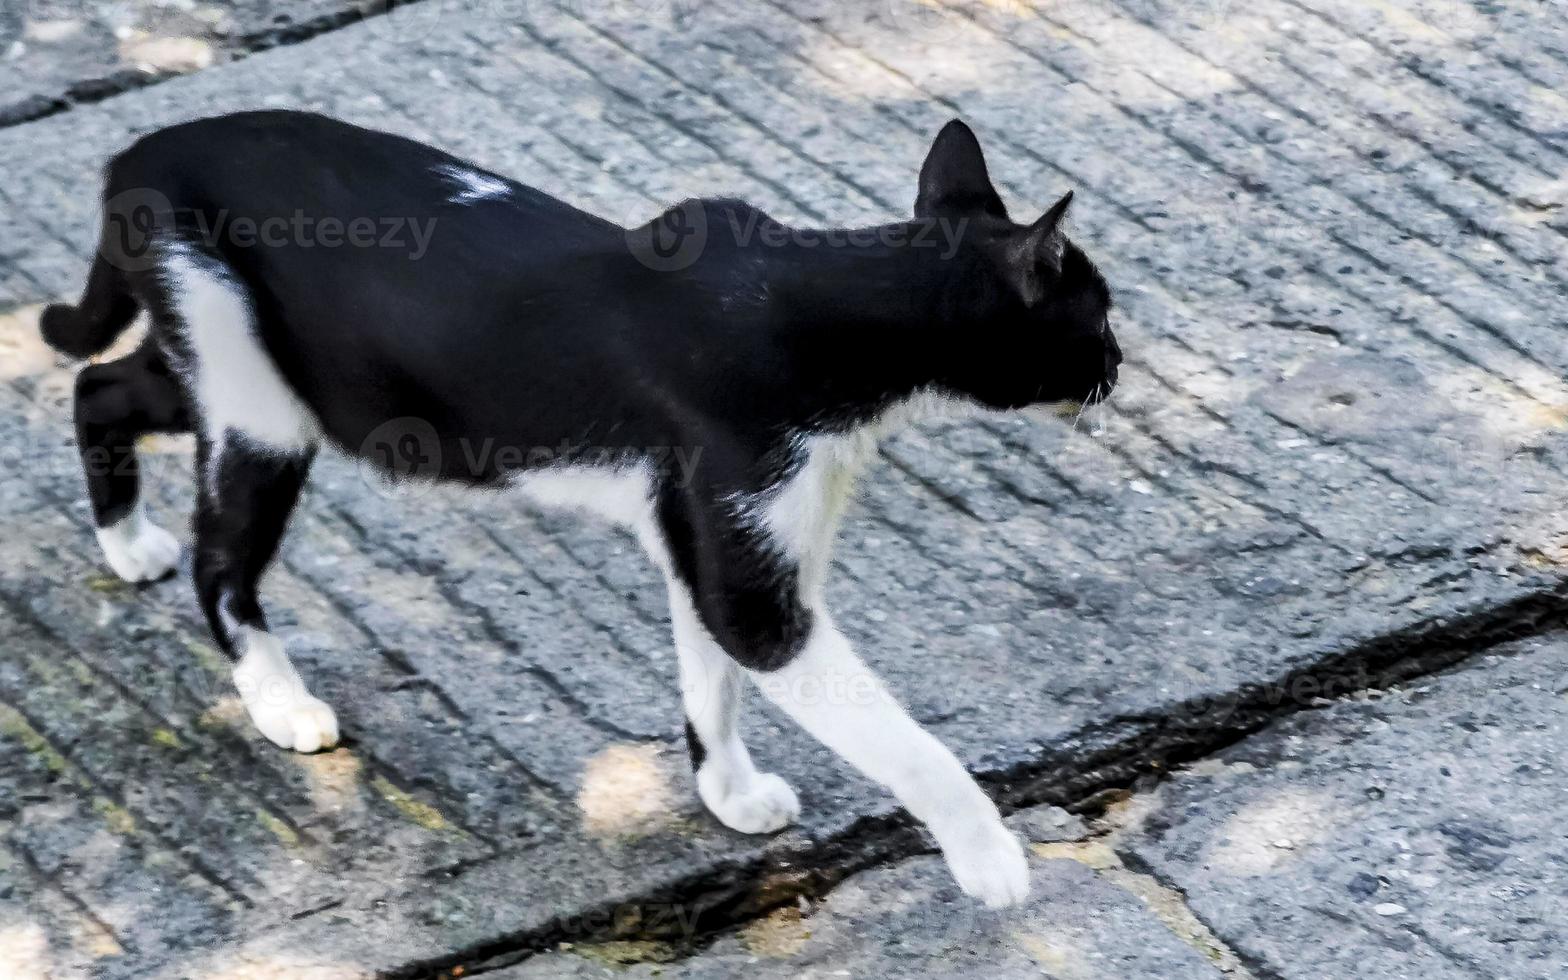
x=714, y=380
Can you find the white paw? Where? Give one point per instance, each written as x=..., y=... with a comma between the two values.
x=308, y=725
x=760, y=804
x=275, y=696
x=988, y=862
x=137, y=549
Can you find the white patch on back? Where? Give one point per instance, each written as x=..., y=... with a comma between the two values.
x=236, y=386
x=276, y=698
x=137, y=549
x=473, y=185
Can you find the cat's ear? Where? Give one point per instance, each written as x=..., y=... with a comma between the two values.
x=1044, y=238
x=954, y=177
x=1037, y=251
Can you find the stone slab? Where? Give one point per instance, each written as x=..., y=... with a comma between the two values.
x=1416, y=834
x=909, y=920
x=55, y=54
x=1342, y=429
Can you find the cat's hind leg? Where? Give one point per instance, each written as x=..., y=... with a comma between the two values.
x=247, y=495
x=256, y=440
x=117, y=403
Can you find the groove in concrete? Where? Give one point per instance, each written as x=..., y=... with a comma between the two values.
x=730, y=895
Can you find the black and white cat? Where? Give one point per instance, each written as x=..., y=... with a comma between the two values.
x=524, y=344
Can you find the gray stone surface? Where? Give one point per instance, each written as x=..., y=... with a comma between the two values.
x=1418, y=834
x=1341, y=430
x=58, y=53
x=909, y=920
x=1412, y=833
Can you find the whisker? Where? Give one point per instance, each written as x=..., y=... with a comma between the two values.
x=1071, y=431
x=1079, y=417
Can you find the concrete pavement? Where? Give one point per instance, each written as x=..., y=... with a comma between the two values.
x=1335, y=232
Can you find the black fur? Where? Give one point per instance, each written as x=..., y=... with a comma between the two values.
x=695, y=748
x=116, y=404
x=546, y=336
x=238, y=530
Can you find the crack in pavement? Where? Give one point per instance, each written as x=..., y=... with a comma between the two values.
x=1167, y=903
x=732, y=895
x=728, y=896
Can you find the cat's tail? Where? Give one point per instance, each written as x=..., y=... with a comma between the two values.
x=107, y=307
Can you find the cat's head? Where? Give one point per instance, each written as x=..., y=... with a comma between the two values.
x=1037, y=311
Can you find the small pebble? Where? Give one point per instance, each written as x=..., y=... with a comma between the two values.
x=1389, y=908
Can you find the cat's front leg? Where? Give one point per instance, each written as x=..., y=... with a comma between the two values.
x=756, y=605
x=728, y=783
x=712, y=690
x=831, y=693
